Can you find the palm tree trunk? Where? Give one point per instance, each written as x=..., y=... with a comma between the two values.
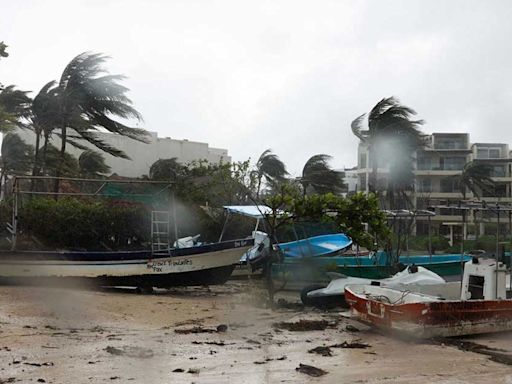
x=259, y=186
x=45, y=147
x=59, y=167
x=372, y=182
x=35, y=168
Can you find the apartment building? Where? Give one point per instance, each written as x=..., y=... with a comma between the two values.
x=143, y=155
x=436, y=167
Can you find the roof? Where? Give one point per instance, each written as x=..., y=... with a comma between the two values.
x=254, y=211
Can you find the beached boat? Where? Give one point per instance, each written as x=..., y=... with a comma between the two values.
x=300, y=272
x=252, y=261
x=334, y=294
x=478, y=305
x=207, y=264
x=316, y=246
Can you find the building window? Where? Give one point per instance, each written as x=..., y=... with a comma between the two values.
x=488, y=153
x=362, y=182
x=498, y=171
x=424, y=185
x=450, y=143
x=449, y=185
x=362, y=160
x=424, y=163
x=452, y=163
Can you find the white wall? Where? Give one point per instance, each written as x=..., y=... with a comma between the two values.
x=144, y=155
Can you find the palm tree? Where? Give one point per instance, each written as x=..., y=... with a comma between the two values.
x=17, y=157
x=166, y=169
x=44, y=116
x=91, y=164
x=3, y=46
x=14, y=107
x=271, y=168
x=89, y=99
x=475, y=177
x=67, y=165
x=318, y=175
x=391, y=136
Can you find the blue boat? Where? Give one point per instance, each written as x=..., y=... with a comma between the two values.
x=317, y=246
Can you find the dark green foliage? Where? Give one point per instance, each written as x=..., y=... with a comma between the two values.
x=392, y=137
x=271, y=168
x=476, y=177
x=167, y=169
x=17, y=156
x=85, y=224
x=3, y=47
x=68, y=164
x=92, y=164
x=319, y=177
x=347, y=215
x=88, y=99
x=14, y=107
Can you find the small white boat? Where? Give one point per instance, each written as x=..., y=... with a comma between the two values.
x=412, y=278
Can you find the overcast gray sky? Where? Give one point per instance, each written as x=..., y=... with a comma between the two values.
x=285, y=75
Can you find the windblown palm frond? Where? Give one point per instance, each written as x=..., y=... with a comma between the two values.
x=14, y=107
x=92, y=164
x=67, y=164
x=476, y=177
x=318, y=174
x=270, y=167
x=166, y=169
x=357, y=127
x=17, y=156
x=392, y=138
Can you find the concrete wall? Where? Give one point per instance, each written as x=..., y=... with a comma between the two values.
x=144, y=155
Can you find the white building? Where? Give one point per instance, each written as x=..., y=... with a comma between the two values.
x=143, y=155
x=435, y=166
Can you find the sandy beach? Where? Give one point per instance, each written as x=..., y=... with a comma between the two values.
x=217, y=335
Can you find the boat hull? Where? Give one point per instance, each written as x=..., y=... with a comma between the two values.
x=204, y=265
x=433, y=319
x=299, y=273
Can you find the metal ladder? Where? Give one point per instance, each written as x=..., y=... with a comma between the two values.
x=160, y=239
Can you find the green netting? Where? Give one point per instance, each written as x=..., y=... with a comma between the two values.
x=150, y=194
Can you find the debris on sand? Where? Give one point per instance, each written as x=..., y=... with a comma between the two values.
x=270, y=359
x=179, y=370
x=198, y=329
x=351, y=328
x=195, y=330
x=310, y=370
x=322, y=350
x=193, y=371
x=495, y=354
x=47, y=364
x=303, y=325
x=351, y=344
x=285, y=304
x=218, y=343
x=142, y=353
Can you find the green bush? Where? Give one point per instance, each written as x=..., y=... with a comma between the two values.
x=85, y=224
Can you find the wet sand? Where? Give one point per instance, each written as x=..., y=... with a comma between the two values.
x=82, y=336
